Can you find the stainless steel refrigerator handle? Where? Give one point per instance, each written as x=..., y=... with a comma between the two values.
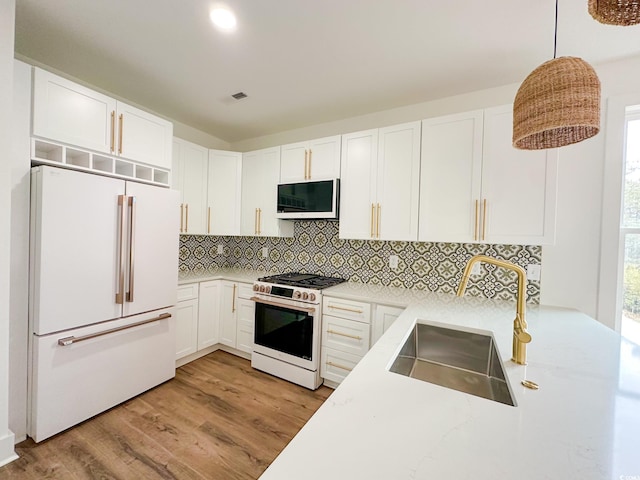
x=132, y=244
x=66, y=341
x=121, y=262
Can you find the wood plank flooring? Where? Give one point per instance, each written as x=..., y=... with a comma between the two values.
x=218, y=419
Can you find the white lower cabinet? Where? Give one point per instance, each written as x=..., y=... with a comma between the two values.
x=345, y=336
x=216, y=312
x=349, y=329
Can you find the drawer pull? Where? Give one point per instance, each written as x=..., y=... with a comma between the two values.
x=63, y=342
x=344, y=334
x=353, y=310
x=337, y=365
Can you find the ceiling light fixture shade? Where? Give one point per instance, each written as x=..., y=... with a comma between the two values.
x=557, y=104
x=615, y=12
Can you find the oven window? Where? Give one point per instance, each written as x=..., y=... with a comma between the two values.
x=284, y=330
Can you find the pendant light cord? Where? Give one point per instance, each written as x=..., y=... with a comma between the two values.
x=555, y=33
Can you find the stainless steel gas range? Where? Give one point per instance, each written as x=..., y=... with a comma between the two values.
x=287, y=326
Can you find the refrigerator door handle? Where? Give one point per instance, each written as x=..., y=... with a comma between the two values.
x=66, y=341
x=132, y=243
x=121, y=246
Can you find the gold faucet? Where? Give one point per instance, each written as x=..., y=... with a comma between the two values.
x=520, y=335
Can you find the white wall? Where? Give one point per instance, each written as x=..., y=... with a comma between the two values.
x=19, y=306
x=7, y=16
x=570, y=271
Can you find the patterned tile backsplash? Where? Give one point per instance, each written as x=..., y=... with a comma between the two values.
x=316, y=248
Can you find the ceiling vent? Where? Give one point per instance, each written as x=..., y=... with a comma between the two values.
x=239, y=95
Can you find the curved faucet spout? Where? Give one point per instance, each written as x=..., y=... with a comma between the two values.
x=520, y=335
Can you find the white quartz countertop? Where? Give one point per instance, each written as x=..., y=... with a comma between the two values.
x=231, y=274
x=583, y=422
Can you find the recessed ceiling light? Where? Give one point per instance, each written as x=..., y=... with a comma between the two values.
x=223, y=18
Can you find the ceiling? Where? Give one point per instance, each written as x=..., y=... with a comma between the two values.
x=304, y=62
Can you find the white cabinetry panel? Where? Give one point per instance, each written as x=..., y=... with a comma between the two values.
x=190, y=164
x=224, y=192
x=186, y=327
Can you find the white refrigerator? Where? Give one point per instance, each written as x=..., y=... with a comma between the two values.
x=103, y=283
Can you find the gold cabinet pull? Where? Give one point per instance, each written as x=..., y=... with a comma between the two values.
x=132, y=245
x=475, y=224
x=113, y=131
x=233, y=299
x=255, y=222
x=337, y=365
x=306, y=159
x=208, y=219
x=259, y=221
x=309, y=167
x=344, y=334
x=484, y=219
x=121, y=122
x=378, y=222
x=372, y=216
x=181, y=217
x=121, y=266
x=345, y=309
x=186, y=218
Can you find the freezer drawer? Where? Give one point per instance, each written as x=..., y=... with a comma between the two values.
x=73, y=380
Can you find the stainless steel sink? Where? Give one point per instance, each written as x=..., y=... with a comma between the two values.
x=463, y=361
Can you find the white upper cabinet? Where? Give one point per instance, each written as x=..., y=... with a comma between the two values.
x=518, y=186
x=476, y=187
x=260, y=176
x=224, y=192
x=190, y=163
x=450, y=175
x=380, y=172
x=310, y=161
x=74, y=114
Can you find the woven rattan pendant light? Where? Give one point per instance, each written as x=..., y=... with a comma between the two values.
x=615, y=12
x=557, y=104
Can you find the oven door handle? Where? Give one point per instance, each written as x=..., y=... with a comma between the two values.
x=276, y=304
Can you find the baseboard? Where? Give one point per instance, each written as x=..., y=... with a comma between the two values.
x=7, y=453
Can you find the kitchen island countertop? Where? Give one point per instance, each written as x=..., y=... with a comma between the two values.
x=583, y=422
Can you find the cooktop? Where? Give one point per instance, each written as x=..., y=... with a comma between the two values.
x=307, y=280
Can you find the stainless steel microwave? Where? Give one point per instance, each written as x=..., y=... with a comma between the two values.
x=309, y=200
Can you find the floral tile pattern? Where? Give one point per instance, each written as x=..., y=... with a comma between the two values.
x=316, y=248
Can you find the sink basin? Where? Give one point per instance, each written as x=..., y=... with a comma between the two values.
x=456, y=359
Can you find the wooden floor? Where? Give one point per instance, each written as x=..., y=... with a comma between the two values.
x=218, y=419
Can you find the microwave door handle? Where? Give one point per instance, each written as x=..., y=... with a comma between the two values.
x=282, y=305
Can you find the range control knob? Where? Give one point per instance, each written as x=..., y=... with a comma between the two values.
x=305, y=295
x=256, y=287
x=312, y=297
x=267, y=289
x=263, y=289
x=296, y=294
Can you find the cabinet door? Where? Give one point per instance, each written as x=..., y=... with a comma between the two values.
x=228, y=323
x=224, y=192
x=186, y=328
x=71, y=113
x=324, y=158
x=209, y=314
x=383, y=318
x=246, y=318
x=192, y=165
x=519, y=186
x=398, y=182
x=450, y=174
x=144, y=137
x=358, y=174
x=293, y=162
x=260, y=174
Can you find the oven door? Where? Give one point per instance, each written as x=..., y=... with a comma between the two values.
x=288, y=331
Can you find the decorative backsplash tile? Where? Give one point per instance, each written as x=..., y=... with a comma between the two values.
x=316, y=248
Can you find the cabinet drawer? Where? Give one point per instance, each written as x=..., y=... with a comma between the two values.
x=350, y=309
x=245, y=290
x=336, y=365
x=187, y=292
x=345, y=335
